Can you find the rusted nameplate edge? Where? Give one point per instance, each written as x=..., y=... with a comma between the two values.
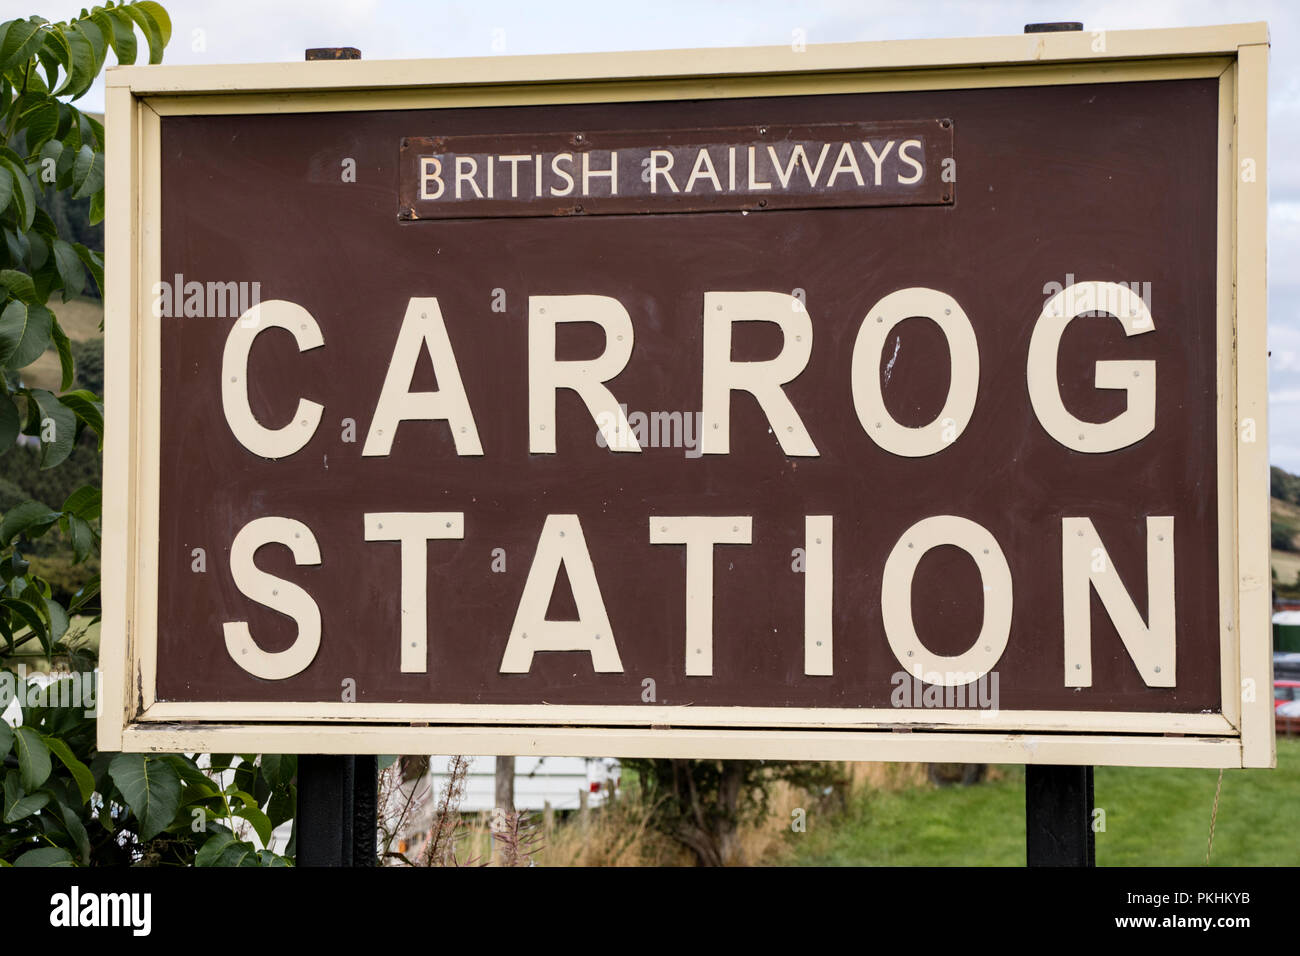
x=708, y=169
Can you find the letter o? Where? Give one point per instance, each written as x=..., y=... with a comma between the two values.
x=896, y=600
x=963, y=357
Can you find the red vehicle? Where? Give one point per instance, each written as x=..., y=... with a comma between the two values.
x=1286, y=705
x=1285, y=690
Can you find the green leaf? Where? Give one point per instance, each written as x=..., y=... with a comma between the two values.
x=124, y=45
x=213, y=847
x=6, y=194
x=39, y=259
x=57, y=616
x=31, y=617
x=152, y=790
x=85, y=406
x=154, y=23
x=33, y=757
x=83, y=538
x=30, y=518
x=10, y=423
x=51, y=65
x=100, y=18
x=94, y=262
x=24, y=333
x=96, y=127
x=88, y=591
x=193, y=777
x=70, y=269
x=43, y=224
x=97, y=208
x=13, y=567
x=46, y=856
x=239, y=854
x=159, y=14
x=19, y=284
x=87, y=409
x=260, y=821
x=267, y=858
x=99, y=50
x=16, y=242
x=87, y=173
x=85, y=502
x=63, y=345
x=40, y=123
x=72, y=138
x=24, y=195
x=98, y=39
x=6, y=733
x=80, y=772
x=58, y=427
x=273, y=768
x=81, y=66
x=18, y=804
x=57, y=46
x=77, y=830
x=283, y=804
x=20, y=44
x=243, y=796
x=219, y=762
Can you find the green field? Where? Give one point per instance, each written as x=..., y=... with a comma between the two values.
x=1154, y=817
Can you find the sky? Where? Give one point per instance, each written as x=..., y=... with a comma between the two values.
x=256, y=31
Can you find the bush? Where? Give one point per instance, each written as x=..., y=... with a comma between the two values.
x=20, y=468
x=89, y=358
x=1283, y=535
x=66, y=576
x=702, y=804
x=1284, y=485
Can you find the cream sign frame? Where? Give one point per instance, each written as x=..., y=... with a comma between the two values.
x=133, y=720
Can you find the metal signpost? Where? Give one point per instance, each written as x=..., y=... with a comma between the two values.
x=887, y=401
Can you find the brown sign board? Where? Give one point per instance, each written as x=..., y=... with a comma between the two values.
x=694, y=416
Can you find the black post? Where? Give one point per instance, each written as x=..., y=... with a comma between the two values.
x=1058, y=800
x=336, y=810
x=1058, y=816
x=365, y=800
x=324, y=810
x=337, y=795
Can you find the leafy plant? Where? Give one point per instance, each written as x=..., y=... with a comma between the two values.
x=702, y=804
x=49, y=145
x=64, y=803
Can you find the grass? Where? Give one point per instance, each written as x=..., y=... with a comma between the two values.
x=1153, y=817
x=1287, y=566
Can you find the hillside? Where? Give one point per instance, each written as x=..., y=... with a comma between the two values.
x=1285, y=532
